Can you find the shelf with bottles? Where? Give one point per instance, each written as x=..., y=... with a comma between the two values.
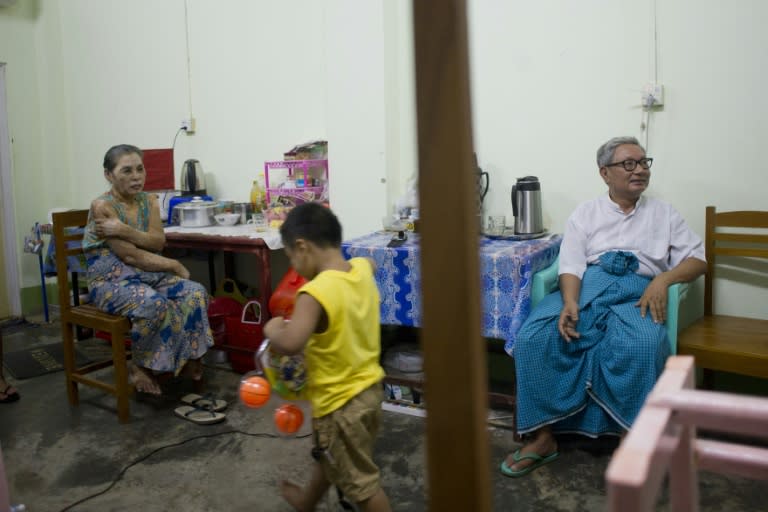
x=292, y=182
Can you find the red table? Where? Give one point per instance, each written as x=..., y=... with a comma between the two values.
x=235, y=239
x=230, y=240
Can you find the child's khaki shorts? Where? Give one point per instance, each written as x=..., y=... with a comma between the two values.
x=344, y=440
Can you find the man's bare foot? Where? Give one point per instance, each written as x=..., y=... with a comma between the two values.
x=143, y=380
x=542, y=444
x=292, y=493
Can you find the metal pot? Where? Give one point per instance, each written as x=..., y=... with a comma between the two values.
x=196, y=213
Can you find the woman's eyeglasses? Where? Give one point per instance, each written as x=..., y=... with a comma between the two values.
x=631, y=165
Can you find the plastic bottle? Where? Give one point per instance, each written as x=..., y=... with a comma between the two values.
x=258, y=196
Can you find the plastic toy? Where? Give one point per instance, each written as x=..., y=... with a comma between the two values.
x=286, y=374
x=288, y=418
x=255, y=390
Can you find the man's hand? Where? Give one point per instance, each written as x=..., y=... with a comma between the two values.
x=654, y=299
x=569, y=317
x=109, y=227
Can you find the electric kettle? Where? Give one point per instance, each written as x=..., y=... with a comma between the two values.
x=526, y=206
x=192, y=179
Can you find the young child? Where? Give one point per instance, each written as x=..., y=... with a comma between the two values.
x=335, y=323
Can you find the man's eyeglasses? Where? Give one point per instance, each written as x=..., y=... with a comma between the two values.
x=631, y=165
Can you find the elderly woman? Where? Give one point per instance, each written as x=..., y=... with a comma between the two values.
x=128, y=276
x=588, y=355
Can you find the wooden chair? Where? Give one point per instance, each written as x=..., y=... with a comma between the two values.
x=663, y=440
x=68, y=234
x=721, y=342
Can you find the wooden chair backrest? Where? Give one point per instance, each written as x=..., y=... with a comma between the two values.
x=67, y=244
x=736, y=240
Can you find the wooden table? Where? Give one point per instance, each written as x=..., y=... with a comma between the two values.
x=230, y=240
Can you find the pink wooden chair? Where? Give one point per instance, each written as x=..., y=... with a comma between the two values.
x=663, y=439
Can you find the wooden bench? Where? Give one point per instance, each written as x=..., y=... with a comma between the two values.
x=721, y=342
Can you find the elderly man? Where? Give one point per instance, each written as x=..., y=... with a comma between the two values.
x=589, y=354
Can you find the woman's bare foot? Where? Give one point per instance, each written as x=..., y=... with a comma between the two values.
x=293, y=494
x=542, y=444
x=144, y=381
x=193, y=369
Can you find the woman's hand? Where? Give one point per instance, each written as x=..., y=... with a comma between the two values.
x=569, y=317
x=109, y=227
x=181, y=271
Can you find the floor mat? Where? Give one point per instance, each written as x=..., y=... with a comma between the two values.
x=35, y=361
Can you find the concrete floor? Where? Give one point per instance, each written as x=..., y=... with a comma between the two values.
x=56, y=455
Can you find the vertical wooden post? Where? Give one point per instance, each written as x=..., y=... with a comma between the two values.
x=454, y=351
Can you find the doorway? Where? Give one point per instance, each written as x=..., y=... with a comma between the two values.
x=10, y=300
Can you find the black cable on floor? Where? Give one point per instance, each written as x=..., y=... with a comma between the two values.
x=172, y=445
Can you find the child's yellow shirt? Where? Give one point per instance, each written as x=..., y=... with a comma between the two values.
x=344, y=360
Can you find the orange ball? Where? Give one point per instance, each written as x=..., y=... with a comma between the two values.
x=288, y=419
x=254, y=391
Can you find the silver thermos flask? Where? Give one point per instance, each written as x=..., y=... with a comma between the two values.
x=526, y=206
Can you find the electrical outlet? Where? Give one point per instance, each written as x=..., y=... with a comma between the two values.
x=188, y=125
x=652, y=95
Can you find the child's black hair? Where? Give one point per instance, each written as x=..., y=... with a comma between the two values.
x=312, y=222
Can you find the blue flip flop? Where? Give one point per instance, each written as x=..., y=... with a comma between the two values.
x=538, y=462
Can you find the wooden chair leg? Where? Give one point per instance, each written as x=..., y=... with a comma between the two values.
x=68, y=341
x=683, y=474
x=122, y=387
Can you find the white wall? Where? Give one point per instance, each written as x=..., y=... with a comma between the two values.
x=356, y=113
x=550, y=82
x=261, y=78
x=553, y=80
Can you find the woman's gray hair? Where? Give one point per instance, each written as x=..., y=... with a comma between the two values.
x=606, y=151
x=115, y=152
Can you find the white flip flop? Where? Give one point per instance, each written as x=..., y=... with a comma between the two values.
x=199, y=416
x=207, y=403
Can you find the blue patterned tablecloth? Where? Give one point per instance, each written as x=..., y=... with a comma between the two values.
x=506, y=268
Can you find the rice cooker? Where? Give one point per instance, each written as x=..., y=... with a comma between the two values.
x=174, y=217
x=196, y=213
